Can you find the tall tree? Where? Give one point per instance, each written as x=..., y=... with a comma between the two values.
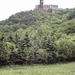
x=3, y=51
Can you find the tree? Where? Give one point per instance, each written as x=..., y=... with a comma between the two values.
x=3, y=51
x=50, y=50
x=23, y=50
x=65, y=49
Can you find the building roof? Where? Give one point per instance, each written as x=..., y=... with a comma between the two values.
x=57, y=9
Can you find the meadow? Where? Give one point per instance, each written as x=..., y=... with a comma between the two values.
x=54, y=69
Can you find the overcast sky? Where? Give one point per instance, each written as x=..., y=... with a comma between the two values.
x=9, y=7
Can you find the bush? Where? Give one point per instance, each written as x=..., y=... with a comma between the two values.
x=65, y=49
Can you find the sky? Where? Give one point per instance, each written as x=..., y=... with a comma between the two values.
x=9, y=7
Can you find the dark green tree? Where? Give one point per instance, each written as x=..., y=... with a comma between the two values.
x=3, y=51
x=23, y=50
x=50, y=50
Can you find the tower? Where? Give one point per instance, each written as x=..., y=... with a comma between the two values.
x=41, y=4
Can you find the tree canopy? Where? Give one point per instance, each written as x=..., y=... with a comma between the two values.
x=30, y=37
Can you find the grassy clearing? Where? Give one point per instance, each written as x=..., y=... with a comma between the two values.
x=56, y=69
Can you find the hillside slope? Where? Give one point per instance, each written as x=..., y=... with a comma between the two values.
x=38, y=37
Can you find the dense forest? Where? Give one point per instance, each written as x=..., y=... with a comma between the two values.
x=30, y=37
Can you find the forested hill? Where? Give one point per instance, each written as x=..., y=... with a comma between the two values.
x=38, y=37
x=34, y=18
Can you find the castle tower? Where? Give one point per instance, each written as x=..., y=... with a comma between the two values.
x=41, y=4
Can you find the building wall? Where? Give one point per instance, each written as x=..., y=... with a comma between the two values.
x=46, y=7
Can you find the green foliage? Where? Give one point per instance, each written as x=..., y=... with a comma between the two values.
x=65, y=49
x=41, y=56
x=38, y=37
x=3, y=51
x=71, y=15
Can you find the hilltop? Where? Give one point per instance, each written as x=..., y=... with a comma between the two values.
x=25, y=19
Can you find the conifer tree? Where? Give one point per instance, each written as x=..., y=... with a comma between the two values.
x=3, y=51
x=50, y=50
x=23, y=49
